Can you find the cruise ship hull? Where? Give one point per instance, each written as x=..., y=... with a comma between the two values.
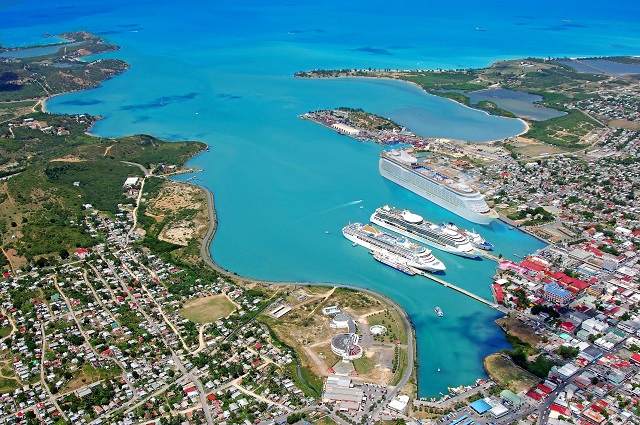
x=435, y=266
x=432, y=243
x=430, y=191
x=394, y=263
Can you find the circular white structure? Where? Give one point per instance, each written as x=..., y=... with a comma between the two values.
x=377, y=329
x=411, y=217
x=340, y=321
x=345, y=345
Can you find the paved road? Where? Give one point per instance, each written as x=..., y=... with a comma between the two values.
x=198, y=384
x=146, y=172
x=52, y=399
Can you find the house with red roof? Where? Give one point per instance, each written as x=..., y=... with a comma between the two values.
x=534, y=395
x=498, y=293
x=544, y=388
x=568, y=327
x=531, y=266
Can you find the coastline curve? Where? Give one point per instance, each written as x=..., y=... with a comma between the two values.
x=411, y=337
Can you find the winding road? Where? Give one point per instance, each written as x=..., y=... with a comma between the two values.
x=206, y=255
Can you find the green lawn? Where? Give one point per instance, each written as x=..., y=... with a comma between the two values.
x=394, y=325
x=364, y=365
x=402, y=366
x=8, y=385
x=325, y=420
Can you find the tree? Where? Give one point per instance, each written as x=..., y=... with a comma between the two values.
x=567, y=352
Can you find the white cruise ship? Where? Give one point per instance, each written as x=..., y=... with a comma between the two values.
x=449, y=192
x=414, y=226
x=401, y=250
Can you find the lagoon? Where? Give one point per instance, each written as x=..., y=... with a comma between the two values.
x=520, y=103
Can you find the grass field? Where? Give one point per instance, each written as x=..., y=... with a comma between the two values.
x=90, y=374
x=8, y=385
x=394, y=324
x=565, y=131
x=402, y=366
x=330, y=358
x=207, y=309
x=12, y=105
x=516, y=327
x=364, y=365
x=325, y=420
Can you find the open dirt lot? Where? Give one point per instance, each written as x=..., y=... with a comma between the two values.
x=207, y=309
x=182, y=210
x=305, y=325
x=502, y=370
x=519, y=329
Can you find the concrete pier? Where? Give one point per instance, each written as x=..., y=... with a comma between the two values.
x=446, y=284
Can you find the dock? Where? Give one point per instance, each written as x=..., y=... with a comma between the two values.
x=488, y=256
x=446, y=284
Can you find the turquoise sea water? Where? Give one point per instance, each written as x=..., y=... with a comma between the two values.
x=222, y=73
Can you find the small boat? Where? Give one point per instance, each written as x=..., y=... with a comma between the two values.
x=440, y=313
x=480, y=29
x=326, y=232
x=438, y=369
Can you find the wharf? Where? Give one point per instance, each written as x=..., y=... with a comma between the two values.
x=488, y=256
x=446, y=284
x=513, y=225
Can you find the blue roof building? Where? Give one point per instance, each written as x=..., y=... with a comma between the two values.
x=480, y=406
x=556, y=293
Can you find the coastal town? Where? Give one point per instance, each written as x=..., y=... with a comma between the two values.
x=135, y=324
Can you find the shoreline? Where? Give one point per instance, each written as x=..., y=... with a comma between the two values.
x=506, y=220
x=411, y=336
x=527, y=127
x=205, y=254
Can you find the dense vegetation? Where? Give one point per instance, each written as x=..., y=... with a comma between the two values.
x=59, y=72
x=520, y=353
x=54, y=167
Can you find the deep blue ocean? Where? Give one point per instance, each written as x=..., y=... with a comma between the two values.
x=222, y=72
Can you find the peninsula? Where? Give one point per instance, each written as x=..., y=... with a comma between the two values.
x=106, y=265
